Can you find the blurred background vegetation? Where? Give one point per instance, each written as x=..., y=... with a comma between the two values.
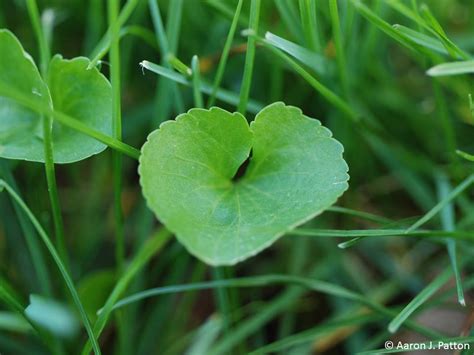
x=400, y=134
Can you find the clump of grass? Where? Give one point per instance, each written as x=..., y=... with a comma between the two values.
x=389, y=78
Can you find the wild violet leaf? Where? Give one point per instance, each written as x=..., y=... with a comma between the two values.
x=74, y=90
x=188, y=171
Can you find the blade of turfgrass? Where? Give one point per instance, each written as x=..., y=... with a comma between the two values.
x=138, y=31
x=260, y=281
x=309, y=335
x=47, y=137
x=198, y=101
x=178, y=65
x=381, y=24
x=70, y=122
x=249, y=57
x=238, y=334
x=436, y=28
x=447, y=221
x=439, y=206
x=443, y=114
x=360, y=233
x=308, y=20
x=430, y=24
x=221, y=297
x=205, y=336
x=94, y=21
x=420, y=298
x=39, y=264
x=323, y=90
x=45, y=53
x=422, y=39
x=298, y=258
x=340, y=56
x=227, y=11
x=223, y=95
x=269, y=311
x=168, y=44
x=360, y=214
x=57, y=259
x=453, y=68
x=149, y=249
x=103, y=46
x=289, y=17
x=225, y=55
x=465, y=155
x=311, y=59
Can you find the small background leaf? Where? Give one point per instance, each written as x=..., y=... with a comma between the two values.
x=74, y=90
x=53, y=316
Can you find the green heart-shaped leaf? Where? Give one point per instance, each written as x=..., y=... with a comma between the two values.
x=83, y=94
x=187, y=170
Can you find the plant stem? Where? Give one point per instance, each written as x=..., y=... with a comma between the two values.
x=113, y=9
x=250, y=56
x=48, y=137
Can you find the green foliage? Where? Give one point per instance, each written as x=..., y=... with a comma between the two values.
x=71, y=88
x=389, y=78
x=188, y=173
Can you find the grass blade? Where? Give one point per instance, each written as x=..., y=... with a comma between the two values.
x=380, y=23
x=224, y=95
x=420, y=298
x=59, y=263
x=225, y=54
x=421, y=39
x=361, y=233
x=465, y=155
x=167, y=91
x=447, y=221
x=143, y=256
x=259, y=281
x=39, y=264
x=205, y=336
x=318, y=86
x=310, y=28
x=311, y=59
x=103, y=46
x=453, y=68
x=249, y=57
x=337, y=36
x=439, y=206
